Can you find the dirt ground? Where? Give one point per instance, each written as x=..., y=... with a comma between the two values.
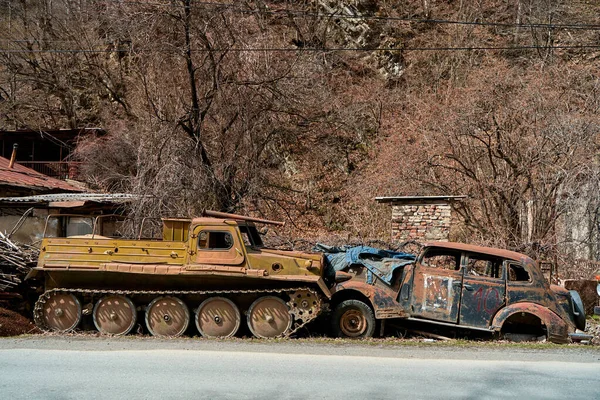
x=593, y=328
x=13, y=324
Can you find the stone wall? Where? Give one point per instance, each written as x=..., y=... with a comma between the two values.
x=429, y=222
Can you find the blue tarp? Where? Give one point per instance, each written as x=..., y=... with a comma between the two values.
x=381, y=263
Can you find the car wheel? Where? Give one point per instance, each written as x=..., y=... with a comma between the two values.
x=578, y=309
x=353, y=319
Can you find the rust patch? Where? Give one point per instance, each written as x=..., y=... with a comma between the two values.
x=382, y=298
x=437, y=292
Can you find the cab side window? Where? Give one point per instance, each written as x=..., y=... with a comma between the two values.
x=214, y=240
x=484, y=266
x=518, y=273
x=443, y=259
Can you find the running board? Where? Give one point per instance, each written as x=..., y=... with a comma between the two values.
x=489, y=330
x=578, y=337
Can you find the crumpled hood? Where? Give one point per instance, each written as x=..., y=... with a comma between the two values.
x=559, y=290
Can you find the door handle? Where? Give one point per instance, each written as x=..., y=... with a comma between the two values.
x=468, y=287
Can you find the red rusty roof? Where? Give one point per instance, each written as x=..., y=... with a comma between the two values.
x=24, y=177
x=511, y=255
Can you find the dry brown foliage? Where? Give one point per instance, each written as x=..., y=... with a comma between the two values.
x=312, y=136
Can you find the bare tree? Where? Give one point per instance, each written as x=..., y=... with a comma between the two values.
x=520, y=151
x=220, y=123
x=55, y=70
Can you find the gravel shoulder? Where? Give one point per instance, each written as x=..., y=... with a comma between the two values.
x=453, y=350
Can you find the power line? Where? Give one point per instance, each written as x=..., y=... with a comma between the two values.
x=24, y=51
x=335, y=15
x=232, y=7
x=289, y=49
x=34, y=40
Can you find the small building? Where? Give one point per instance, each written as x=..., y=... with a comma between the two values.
x=421, y=218
x=46, y=150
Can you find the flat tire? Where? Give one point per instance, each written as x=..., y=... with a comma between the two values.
x=353, y=319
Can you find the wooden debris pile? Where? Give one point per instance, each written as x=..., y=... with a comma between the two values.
x=16, y=260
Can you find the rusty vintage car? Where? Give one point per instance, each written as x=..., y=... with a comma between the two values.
x=455, y=285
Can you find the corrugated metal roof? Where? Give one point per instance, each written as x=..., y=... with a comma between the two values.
x=400, y=199
x=65, y=197
x=24, y=177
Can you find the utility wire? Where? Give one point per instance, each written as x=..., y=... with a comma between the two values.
x=335, y=15
x=34, y=40
x=235, y=8
x=301, y=49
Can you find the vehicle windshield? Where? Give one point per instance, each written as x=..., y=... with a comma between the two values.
x=251, y=236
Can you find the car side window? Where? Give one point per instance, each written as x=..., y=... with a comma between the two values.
x=447, y=260
x=518, y=273
x=214, y=240
x=484, y=266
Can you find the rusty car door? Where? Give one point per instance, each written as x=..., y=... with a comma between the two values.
x=218, y=245
x=484, y=290
x=437, y=285
x=522, y=286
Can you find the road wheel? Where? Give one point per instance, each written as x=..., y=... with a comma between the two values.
x=114, y=315
x=217, y=317
x=167, y=316
x=61, y=312
x=353, y=319
x=269, y=317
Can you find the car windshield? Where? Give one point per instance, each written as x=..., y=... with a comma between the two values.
x=251, y=236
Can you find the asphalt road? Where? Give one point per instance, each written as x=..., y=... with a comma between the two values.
x=91, y=368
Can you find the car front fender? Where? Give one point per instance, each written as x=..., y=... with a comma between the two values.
x=382, y=299
x=557, y=329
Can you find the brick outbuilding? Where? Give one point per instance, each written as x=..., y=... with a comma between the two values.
x=421, y=218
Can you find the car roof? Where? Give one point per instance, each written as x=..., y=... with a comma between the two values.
x=511, y=255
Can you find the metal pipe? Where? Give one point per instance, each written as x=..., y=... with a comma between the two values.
x=13, y=156
x=20, y=222
x=218, y=214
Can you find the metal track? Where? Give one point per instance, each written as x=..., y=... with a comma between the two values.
x=293, y=310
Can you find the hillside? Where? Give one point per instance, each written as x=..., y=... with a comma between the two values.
x=307, y=110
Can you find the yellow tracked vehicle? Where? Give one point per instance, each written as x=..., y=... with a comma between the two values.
x=210, y=273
